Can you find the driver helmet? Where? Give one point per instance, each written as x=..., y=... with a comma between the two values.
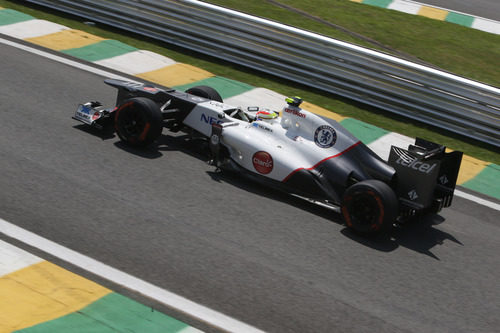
x=294, y=101
x=266, y=115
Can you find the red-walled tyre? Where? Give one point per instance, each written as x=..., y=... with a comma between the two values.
x=138, y=121
x=370, y=206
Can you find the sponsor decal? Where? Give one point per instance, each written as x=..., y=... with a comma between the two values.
x=262, y=162
x=83, y=115
x=325, y=136
x=413, y=195
x=84, y=109
x=87, y=113
x=409, y=161
x=209, y=119
x=262, y=127
x=415, y=164
x=150, y=89
x=132, y=84
x=443, y=179
x=295, y=112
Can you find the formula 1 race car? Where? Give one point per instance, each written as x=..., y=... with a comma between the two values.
x=298, y=152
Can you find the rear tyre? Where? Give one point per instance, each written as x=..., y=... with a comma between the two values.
x=205, y=92
x=370, y=206
x=138, y=121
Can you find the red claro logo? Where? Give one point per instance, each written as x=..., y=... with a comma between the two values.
x=262, y=162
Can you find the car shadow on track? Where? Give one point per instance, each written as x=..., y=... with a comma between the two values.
x=148, y=152
x=419, y=235
x=194, y=147
x=251, y=186
x=197, y=147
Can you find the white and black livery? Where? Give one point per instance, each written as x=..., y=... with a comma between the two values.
x=299, y=152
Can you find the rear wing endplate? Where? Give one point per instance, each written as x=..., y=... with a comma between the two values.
x=426, y=174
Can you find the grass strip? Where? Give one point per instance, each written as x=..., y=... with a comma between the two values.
x=467, y=52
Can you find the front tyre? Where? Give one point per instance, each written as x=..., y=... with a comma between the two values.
x=138, y=121
x=205, y=92
x=370, y=206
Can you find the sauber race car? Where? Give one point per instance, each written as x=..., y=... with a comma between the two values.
x=298, y=152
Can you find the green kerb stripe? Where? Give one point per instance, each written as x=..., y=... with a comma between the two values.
x=365, y=132
x=378, y=3
x=225, y=87
x=461, y=19
x=102, y=50
x=486, y=182
x=10, y=16
x=112, y=313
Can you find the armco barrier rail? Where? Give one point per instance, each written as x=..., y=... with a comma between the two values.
x=428, y=95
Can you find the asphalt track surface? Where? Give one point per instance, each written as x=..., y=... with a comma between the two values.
x=262, y=257
x=489, y=9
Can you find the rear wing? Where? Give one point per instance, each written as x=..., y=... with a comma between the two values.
x=426, y=175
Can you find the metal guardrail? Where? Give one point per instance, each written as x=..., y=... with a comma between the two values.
x=411, y=90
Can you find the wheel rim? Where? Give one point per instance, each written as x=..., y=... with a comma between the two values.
x=132, y=123
x=364, y=211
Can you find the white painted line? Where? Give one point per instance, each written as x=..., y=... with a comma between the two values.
x=136, y=62
x=477, y=200
x=65, y=60
x=13, y=259
x=190, y=308
x=31, y=28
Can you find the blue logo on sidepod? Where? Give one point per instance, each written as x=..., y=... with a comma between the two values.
x=209, y=119
x=325, y=136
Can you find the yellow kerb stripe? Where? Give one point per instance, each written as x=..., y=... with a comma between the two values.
x=434, y=13
x=321, y=111
x=43, y=292
x=176, y=75
x=470, y=168
x=66, y=39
